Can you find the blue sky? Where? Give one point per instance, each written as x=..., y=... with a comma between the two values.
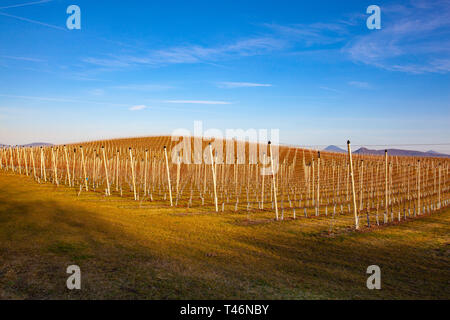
x=310, y=68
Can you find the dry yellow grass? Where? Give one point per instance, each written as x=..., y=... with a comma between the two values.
x=148, y=250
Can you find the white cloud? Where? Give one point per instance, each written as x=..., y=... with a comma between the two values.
x=330, y=89
x=276, y=39
x=413, y=39
x=242, y=85
x=196, y=102
x=97, y=92
x=25, y=4
x=360, y=84
x=143, y=87
x=138, y=107
x=193, y=53
x=108, y=62
x=57, y=99
x=309, y=35
x=33, y=21
x=22, y=58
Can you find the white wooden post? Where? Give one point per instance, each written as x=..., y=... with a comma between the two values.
x=145, y=173
x=132, y=174
x=214, y=176
x=353, y=185
x=262, y=187
x=273, y=181
x=318, y=183
x=55, y=170
x=168, y=176
x=418, y=186
x=32, y=161
x=67, y=165
x=108, y=190
x=386, y=186
x=439, y=188
x=83, y=163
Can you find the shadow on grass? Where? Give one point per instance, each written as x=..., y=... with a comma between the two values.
x=42, y=234
x=414, y=259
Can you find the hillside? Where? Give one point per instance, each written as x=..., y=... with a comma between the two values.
x=400, y=152
x=34, y=144
x=142, y=224
x=37, y=144
x=132, y=250
x=333, y=148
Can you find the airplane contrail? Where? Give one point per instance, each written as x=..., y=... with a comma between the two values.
x=33, y=21
x=25, y=4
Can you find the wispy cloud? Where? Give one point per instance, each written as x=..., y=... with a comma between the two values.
x=22, y=58
x=96, y=92
x=110, y=62
x=241, y=85
x=143, y=87
x=308, y=35
x=33, y=21
x=57, y=99
x=414, y=38
x=138, y=107
x=330, y=89
x=191, y=53
x=196, y=102
x=25, y=4
x=360, y=84
x=274, y=38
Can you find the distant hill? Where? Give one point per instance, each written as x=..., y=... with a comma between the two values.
x=438, y=154
x=34, y=144
x=400, y=152
x=332, y=148
x=37, y=144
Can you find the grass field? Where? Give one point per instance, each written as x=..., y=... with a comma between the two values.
x=148, y=250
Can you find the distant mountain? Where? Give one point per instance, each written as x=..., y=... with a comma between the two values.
x=34, y=144
x=332, y=148
x=37, y=144
x=400, y=152
x=438, y=154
